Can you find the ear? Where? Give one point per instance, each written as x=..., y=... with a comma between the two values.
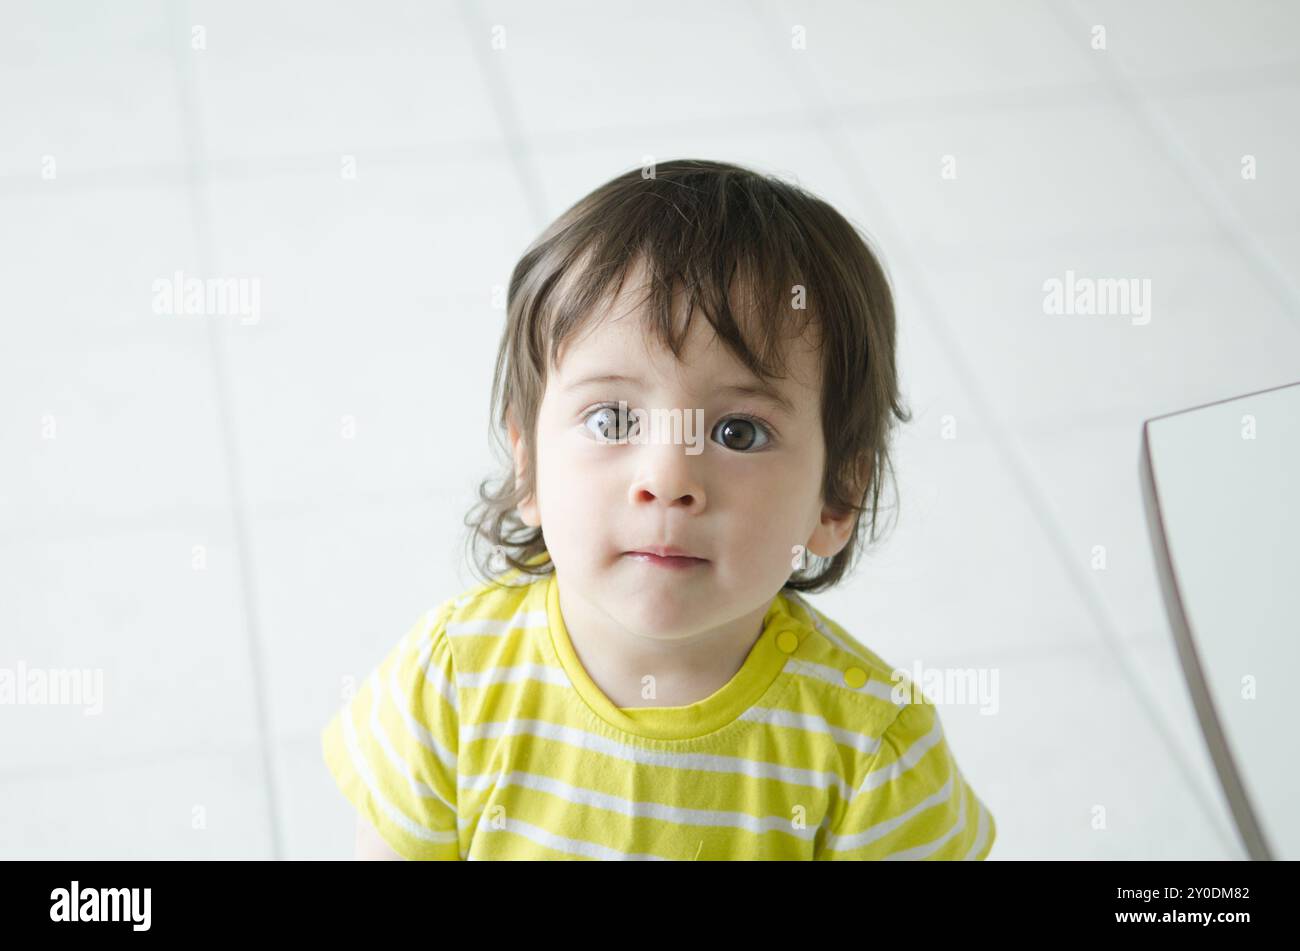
x=834, y=528
x=831, y=534
x=528, y=510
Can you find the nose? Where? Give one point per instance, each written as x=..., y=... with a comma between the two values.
x=668, y=476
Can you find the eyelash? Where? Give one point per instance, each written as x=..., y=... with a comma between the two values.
x=772, y=433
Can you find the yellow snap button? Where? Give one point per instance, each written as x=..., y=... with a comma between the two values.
x=855, y=677
x=787, y=641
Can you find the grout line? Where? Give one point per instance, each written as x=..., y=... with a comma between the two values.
x=1017, y=654
x=180, y=518
x=113, y=762
x=1019, y=249
x=877, y=113
x=530, y=183
x=206, y=253
x=1006, y=448
x=1200, y=181
x=516, y=146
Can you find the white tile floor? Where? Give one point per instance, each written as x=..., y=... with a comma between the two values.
x=200, y=529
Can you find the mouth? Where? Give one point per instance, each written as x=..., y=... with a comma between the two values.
x=662, y=557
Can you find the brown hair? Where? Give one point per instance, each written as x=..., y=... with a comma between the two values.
x=735, y=241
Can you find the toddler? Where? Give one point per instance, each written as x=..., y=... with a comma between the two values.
x=696, y=383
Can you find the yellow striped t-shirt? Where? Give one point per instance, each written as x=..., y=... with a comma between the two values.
x=481, y=736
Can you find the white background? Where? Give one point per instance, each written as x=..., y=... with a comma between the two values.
x=377, y=303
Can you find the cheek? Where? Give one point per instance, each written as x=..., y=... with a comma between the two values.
x=576, y=479
x=772, y=508
x=766, y=508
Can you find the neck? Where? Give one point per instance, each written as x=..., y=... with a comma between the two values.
x=686, y=669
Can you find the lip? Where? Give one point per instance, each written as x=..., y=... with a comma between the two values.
x=666, y=557
x=664, y=551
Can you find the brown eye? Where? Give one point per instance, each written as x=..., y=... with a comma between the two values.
x=741, y=434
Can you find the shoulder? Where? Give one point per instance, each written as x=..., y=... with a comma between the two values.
x=486, y=624
x=904, y=796
x=441, y=642
x=851, y=685
x=877, y=712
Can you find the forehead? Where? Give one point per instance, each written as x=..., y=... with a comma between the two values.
x=618, y=339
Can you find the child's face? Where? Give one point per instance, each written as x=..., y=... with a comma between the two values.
x=743, y=502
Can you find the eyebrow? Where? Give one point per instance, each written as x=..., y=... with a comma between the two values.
x=757, y=389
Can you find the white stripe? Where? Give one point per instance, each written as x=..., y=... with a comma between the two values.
x=813, y=723
x=490, y=626
x=856, y=840
x=981, y=837
x=417, y=729
x=440, y=837
x=706, y=762
x=924, y=851
x=887, y=774
x=507, y=675
x=421, y=789
x=435, y=675
x=874, y=687
x=560, y=843
x=853, y=649
x=820, y=622
x=639, y=809
x=424, y=634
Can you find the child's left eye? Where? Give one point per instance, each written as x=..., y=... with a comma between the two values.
x=743, y=430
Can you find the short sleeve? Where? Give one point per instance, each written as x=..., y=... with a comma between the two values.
x=393, y=747
x=910, y=800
